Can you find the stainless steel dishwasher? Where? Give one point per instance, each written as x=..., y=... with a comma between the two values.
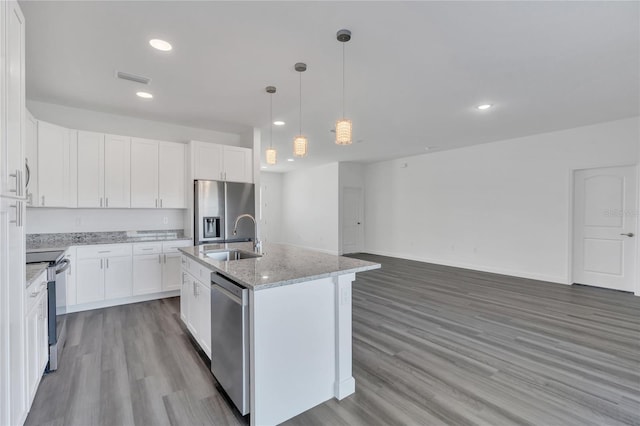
x=230, y=339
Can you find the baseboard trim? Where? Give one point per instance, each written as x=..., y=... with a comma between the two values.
x=123, y=301
x=532, y=276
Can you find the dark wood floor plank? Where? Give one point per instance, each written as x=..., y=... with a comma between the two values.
x=432, y=345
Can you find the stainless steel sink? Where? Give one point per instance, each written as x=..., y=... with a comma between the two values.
x=231, y=255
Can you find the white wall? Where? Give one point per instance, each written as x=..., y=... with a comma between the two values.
x=271, y=207
x=83, y=119
x=310, y=200
x=44, y=220
x=501, y=207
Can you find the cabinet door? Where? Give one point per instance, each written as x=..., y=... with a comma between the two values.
x=192, y=307
x=43, y=334
x=147, y=274
x=171, y=272
x=171, y=179
x=32, y=346
x=117, y=171
x=90, y=280
x=117, y=277
x=207, y=160
x=203, y=321
x=13, y=111
x=71, y=169
x=53, y=158
x=237, y=164
x=184, y=295
x=31, y=154
x=90, y=169
x=144, y=173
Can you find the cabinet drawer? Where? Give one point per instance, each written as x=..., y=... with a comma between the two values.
x=147, y=248
x=172, y=246
x=106, y=250
x=35, y=291
x=201, y=273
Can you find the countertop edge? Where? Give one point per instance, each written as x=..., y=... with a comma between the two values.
x=81, y=244
x=265, y=286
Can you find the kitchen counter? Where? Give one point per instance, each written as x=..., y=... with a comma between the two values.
x=62, y=241
x=34, y=270
x=279, y=264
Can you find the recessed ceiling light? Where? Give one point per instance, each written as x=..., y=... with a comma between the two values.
x=484, y=106
x=279, y=123
x=144, y=95
x=290, y=159
x=162, y=45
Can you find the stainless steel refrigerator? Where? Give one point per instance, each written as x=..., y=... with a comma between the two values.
x=217, y=205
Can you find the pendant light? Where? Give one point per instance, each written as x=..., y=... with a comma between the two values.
x=300, y=142
x=271, y=154
x=343, y=125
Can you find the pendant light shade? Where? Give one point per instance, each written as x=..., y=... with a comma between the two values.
x=343, y=132
x=271, y=154
x=343, y=125
x=300, y=146
x=300, y=143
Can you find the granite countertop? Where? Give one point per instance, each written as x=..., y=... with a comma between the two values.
x=279, y=265
x=62, y=241
x=33, y=270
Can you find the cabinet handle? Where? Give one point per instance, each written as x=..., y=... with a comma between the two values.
x=100, y=201
x=105, y=251
x=43, y=200
x=165, y=258
x=20, y=205
x=194, y=288
x=100, y=263
x=149, y=248
x=156, y=203
x=69, y=270
x=160, y=202
x=107, y=263
x=107, y=202
x=16, y=221
x=160, y=259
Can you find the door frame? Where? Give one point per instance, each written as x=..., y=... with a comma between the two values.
x=571, y=210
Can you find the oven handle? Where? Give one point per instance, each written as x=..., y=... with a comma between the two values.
x=62, y=266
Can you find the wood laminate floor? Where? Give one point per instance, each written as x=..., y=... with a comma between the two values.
x=432, y=345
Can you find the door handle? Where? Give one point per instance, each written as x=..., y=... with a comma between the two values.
x=628, y=234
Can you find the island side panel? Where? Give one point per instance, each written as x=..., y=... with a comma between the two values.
x=293, y=349
x=344, y=384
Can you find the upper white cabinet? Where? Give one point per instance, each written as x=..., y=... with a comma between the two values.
x=12, y=112
x=221, y=162
x=57, y=170
x=157, y=174
x=104, y=168
x=31, y=154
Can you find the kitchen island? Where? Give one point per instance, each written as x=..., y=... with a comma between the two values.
x=299, y=337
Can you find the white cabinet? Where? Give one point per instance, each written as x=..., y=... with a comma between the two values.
x=104, y=168
x=195, y=303
x=156, y=267
x=147, y=268
x=157, y=174
x=54, y=165
x=31, y=154
x=103, y=272
x=36, y=337
x=12, y=111
x=221, y=162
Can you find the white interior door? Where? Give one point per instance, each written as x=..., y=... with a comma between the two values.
x=352, y=232
x=605, y=222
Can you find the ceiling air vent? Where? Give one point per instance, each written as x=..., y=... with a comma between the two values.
x=133, y=77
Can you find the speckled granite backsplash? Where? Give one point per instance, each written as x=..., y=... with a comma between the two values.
x=83, y=238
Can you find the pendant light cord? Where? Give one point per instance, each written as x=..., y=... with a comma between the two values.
x=271, y=122
x=343, y=80
x=300, y=103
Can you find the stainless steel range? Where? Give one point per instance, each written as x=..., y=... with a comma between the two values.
x=56, y=289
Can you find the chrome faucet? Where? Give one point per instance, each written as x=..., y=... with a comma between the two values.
x=257, y=244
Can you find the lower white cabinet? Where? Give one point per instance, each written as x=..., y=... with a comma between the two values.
x=195, y=306
x=156, y=267
x=36, y=335
x=103, y=272
x=147, y=274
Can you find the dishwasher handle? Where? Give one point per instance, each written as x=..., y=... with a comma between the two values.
x=232, y=289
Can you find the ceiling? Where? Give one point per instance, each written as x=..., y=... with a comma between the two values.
x=415, y=70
